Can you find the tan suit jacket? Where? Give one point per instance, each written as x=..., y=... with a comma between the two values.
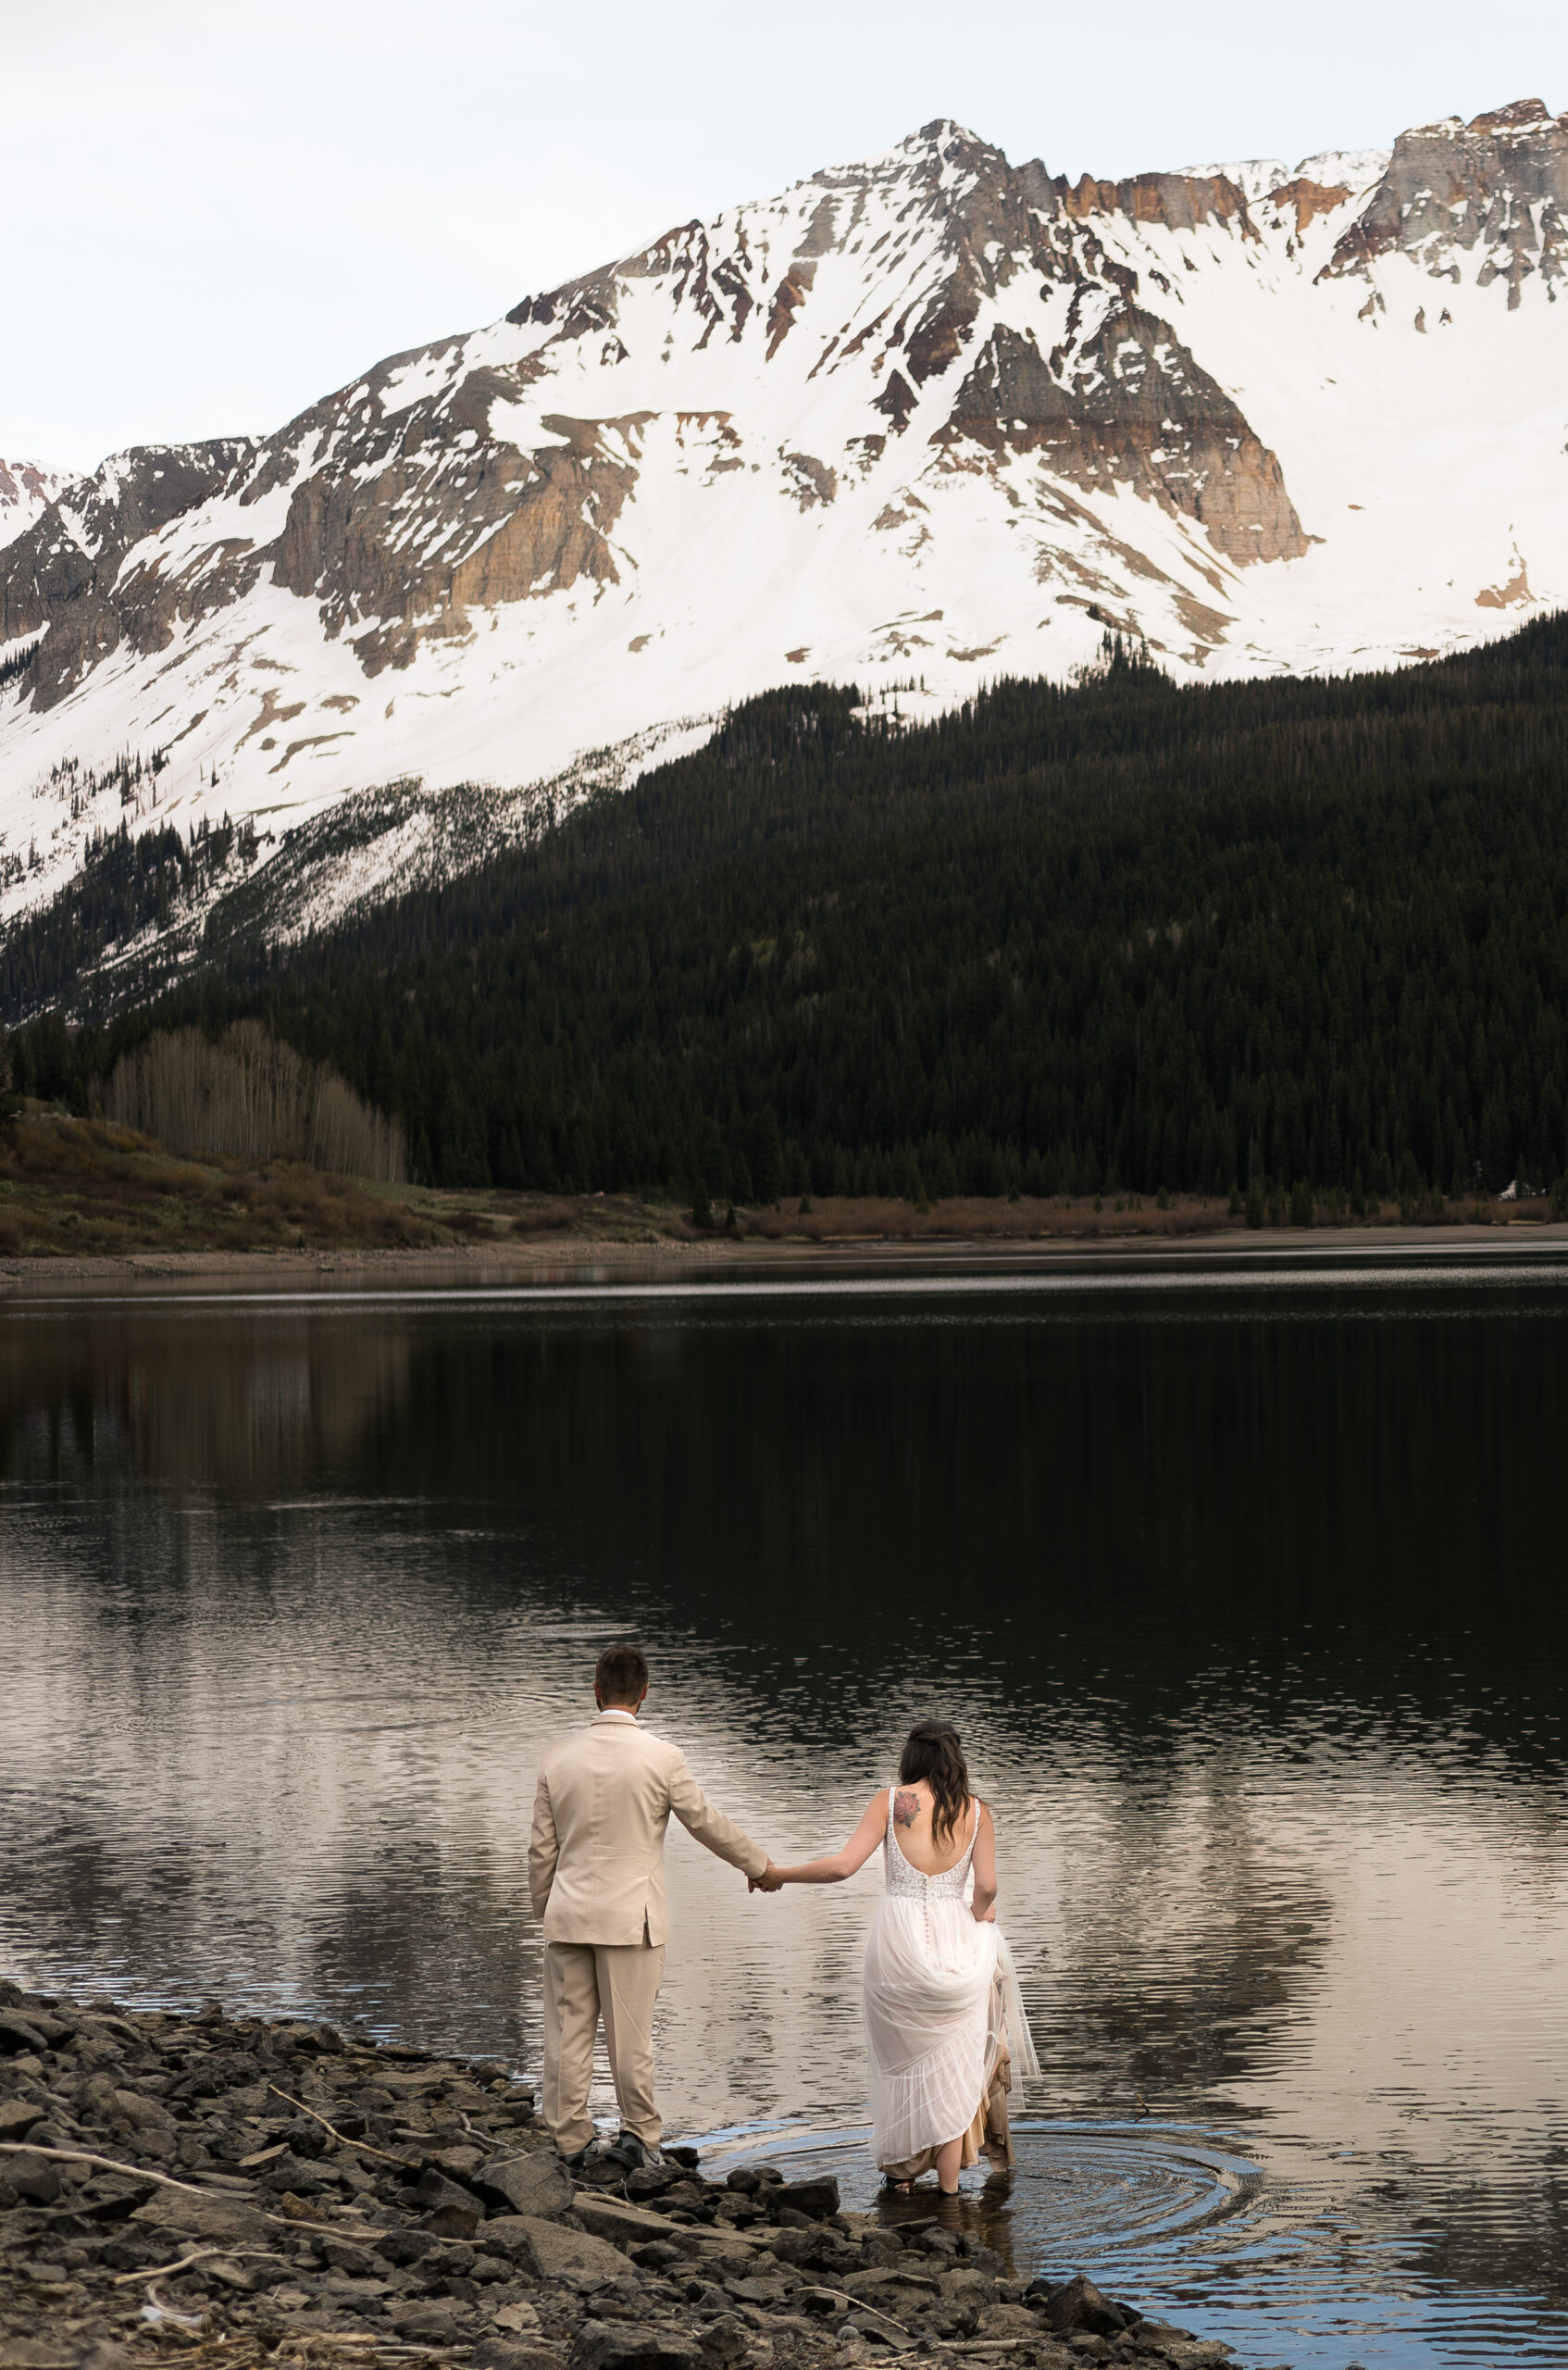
x=596, y=1855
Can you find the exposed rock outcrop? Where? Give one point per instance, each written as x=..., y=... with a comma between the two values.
x=26, y=490
x=1179, y=201
x=1131, y=406
x=1498, y=184
x=1305, y=200
x=67, y=571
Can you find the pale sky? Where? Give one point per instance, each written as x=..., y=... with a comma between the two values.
x=218, y=211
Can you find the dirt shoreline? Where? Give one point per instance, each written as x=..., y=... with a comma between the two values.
x=576, y=1257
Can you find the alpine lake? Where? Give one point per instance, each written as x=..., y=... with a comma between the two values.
x=1245, y=1581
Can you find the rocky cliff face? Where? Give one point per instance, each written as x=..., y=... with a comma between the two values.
x=1128, y=405
x=26, y=490
x=933, y=416
x=90, y=573
x=1487, y=199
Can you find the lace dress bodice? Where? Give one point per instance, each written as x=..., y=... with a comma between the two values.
x=908, y=1883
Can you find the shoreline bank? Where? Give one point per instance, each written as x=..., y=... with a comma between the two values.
x=83, y=1199
x=245, y=2191
x=576, y=1257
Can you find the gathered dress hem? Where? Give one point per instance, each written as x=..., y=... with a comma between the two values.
x=945, y=2031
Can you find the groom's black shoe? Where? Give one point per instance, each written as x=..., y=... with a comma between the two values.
x=624, y=2153
x=599, y=2152
x=636, y=2153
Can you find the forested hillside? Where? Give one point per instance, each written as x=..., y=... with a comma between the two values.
x=1114, y=936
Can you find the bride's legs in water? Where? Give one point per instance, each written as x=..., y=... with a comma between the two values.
x=948, y=2160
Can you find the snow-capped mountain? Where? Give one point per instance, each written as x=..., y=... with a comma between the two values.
x=26, y=490
x=932, y=416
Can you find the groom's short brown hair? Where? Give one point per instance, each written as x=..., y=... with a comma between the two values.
x=620, y=1675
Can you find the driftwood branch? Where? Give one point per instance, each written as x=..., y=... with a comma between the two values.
x=105, y=2164
x=168, y=2270
x=361, y=2147
x=187, y=2189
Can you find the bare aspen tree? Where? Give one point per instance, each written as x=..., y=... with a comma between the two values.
x=254, y=1098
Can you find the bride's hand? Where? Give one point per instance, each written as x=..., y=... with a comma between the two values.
x=769, y=1882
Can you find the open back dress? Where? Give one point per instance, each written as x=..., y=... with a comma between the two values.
x=945, y=2029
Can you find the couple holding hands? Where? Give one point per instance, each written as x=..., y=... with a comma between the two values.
x=945, y=2030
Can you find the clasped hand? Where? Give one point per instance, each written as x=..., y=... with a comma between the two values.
x=769, y=1882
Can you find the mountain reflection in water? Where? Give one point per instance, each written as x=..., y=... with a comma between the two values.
x=1248, y=1607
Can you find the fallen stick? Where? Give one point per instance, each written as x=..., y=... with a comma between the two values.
x=168, y=2270
x=361, y=2147
x=105, y=2164
x=188, y=2188
x=332, y=2229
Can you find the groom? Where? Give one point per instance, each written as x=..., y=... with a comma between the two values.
x=597, y=1880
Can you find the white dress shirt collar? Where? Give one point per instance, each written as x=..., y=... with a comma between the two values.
x=614, y=1711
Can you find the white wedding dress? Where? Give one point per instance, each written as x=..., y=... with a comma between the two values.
x=943, y=2010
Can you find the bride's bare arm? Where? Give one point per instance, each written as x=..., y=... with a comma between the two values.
x=984, y=1865
x=856, y=1853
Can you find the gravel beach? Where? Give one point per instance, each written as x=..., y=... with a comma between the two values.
x=239, y=2192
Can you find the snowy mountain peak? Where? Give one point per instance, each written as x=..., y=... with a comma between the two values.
x=1253, y=176
x=1351, y=168
x=928, y=414
x=26, y=490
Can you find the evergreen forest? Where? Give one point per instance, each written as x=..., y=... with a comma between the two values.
x=1114, y=935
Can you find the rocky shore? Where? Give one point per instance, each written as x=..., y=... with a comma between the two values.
x=242, y=2192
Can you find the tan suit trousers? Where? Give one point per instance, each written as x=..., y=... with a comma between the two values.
x=585, y=1981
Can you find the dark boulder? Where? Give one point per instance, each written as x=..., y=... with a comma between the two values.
x=35, y=2179
x=406, y=2246
x=315, y=2040
x=432, y=2190
x=656, y=2254
x=538, y=2184
x=455, y=2221
x=1080, y=2306
x=297, y=2174
x=58, y=2031
x=621, y=2345
x=432, y=2321
x=816, y=2200
x=504, y=2353
x=511, y=2235
x=722, y=2341
x=304, y=2137
x=343, y=2255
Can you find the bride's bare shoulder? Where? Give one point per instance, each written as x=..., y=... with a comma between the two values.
x=906, y=1805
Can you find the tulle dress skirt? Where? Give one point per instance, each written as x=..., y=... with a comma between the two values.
x=945, y=2033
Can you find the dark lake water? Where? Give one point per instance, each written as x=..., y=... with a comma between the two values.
x=1247, y=1591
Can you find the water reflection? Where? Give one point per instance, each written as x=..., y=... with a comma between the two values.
x=1246, y=1602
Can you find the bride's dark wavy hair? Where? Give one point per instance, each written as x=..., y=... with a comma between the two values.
x=933, y=1753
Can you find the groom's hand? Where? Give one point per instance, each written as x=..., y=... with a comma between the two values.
x=769, y=1882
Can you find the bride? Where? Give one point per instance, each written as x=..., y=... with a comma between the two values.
x=944, y=2021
